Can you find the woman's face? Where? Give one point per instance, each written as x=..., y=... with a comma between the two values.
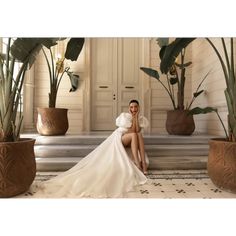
x=133, y=108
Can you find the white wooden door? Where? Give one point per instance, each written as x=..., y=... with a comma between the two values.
x=115, y=79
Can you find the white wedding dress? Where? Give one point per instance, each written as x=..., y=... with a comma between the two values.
x=107, y=171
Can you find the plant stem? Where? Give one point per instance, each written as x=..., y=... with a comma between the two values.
x=227, y=137
x=53, y=87
x=226, y=54
x=59, y=81
x=7, y=58
x=171, y=92
x=49, y=68
x=193, y=98
x=182, y=82
x=232, y=57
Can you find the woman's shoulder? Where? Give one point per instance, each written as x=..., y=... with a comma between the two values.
x=125, y=115
x=143, y=121
x=142, y=117
x=124, y=120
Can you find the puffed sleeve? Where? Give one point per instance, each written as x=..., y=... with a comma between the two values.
x=143, y=122
x=124, y=120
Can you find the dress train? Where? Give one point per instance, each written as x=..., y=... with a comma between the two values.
x=107, y=171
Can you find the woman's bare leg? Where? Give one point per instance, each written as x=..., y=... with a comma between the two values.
x=142, y=152
x=132, y=139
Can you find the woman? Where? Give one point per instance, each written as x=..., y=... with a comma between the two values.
x=107, y=171
x=133, y=136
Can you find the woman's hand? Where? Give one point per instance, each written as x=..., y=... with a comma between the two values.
x=136, y=114
x=130, y=112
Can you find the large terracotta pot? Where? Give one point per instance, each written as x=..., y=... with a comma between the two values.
x=17, y=167
x=52, y=121
x=221, y=164
x=179, y=123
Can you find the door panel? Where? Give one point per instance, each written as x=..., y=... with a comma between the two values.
x=128, y=72
x=129, y=60
x=103, y=115
x=104, y=79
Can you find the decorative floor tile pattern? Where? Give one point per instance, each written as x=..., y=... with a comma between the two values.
x=163, y=184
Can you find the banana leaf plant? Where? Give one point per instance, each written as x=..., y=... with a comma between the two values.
x=174, y=72
x=227, y=64
x=23, y=51
x=56, y=68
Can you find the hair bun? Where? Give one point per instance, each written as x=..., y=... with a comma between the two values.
x=134, y=101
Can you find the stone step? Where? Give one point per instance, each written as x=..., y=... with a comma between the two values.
x=96, y=139
x=59, y=153
x=178, y=163
x=152, y=150
x=155, y=163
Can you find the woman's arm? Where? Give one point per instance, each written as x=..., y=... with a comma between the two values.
x=136, y=123
x=135, y=128
x=132, y=129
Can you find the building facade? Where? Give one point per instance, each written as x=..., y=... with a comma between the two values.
x=110, y=77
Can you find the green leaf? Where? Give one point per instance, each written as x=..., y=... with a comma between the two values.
x=24, y=49
x=198, y=93
x=172, y=51
x=162, y=52
x=150, y=72
x=199, y=110
x=162, y=42
x=231, y=115
x=74, y=80
x=173, y=80
x=49, y=42
x=73, y=49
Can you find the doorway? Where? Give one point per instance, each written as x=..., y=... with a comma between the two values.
x=115, y=64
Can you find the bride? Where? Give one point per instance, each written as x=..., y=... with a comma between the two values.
x=109, y=170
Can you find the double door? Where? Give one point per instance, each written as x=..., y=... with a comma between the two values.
x=115, y=78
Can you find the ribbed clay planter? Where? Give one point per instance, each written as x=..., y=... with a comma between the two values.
x=179, y=123
x=221, y=164
x=17, y=167
x=52, y=121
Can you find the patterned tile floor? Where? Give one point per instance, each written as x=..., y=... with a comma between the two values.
x=179, y=184
x=164, y=184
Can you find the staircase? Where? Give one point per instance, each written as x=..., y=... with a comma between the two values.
x=59, y=153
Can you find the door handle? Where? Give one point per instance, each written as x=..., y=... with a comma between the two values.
x=103, y=86
x=129, y=87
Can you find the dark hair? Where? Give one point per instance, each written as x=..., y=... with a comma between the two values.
x=133, y=101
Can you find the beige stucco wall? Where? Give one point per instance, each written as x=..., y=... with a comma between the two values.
x=204, y=60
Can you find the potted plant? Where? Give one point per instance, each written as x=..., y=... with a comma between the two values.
x=17, y=159
x=52, y=120
x=178, y=121
x=221, y=164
